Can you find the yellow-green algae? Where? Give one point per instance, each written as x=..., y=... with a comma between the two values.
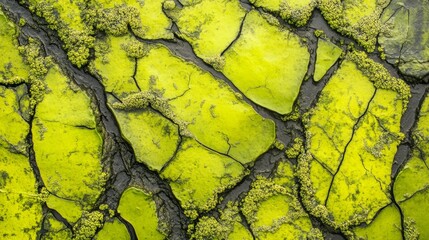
x=254, y=65
x=146, y=18
x=153, y=137
x=209, y=26
x=296, y=12
x=352, y=136
x=272, y=208
x=114, y=229
x=70, y=210
x=11, y=63
x=66, y=17
x=55, y=229
x=357, y=19
x=113, y=65
x=197, y=175
x=227, y=226
x=411, y=188
x=326, y=55
x=405, y=39
x=386, y=225
x=138, y=208
x=67, y=143
x=206, y=106
x=19, y=199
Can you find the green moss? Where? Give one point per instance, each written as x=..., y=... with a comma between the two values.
x=272, y=207
x=295, y=149
x=253, y=64
x=19, y=198
x=296, y=12
x=146, y=18
x=138, y=208
x=210, y=26
x=69, y=210
x=113, y=229
x=199, y=192
x=153, y=137
x=326, y=55
x=55, y=229
x=88, y=225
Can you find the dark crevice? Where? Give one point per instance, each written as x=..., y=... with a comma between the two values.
x=236, y=37
x=355, y=127
x=134, y=74
x=130, y=228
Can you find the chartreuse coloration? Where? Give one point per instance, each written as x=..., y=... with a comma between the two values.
x=386, y=225
x=212, y=113
x=352, y=136
x=326, y=55
x=209, y=26
x=296, y=12
x=254, y=65
x=199, y=192
x=68, y=145
x=358, y=19
x=55, y=229
x=273, y=211
x=109, y=57
x=19, y=199
x=113, y=229
x=411, y=188
x=138, y=208
x=227, y=226
x=405, y=39
x=146, y=18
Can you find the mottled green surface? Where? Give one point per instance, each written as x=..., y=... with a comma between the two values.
x=114, y=229
x=326, y=55
x=405, y=38
x=253, y=64
x=139, y=209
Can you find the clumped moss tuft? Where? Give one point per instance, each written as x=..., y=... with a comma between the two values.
x=88, y=225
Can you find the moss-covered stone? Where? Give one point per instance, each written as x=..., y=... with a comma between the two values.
x=210, y=26
x=404, y=38
x=296, y=12
x=197, y=175
x=113, y=229
x=67, y=145
x=19, y=199
x=326, y=55
x=352, y=136
x=55, y=229
x=254, y=65
x=138, y=208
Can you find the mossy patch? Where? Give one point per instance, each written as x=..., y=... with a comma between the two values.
x=254, y=65
x=55, y=229
x=296, y=12
x=206, y=106
x=113, y=229
x=404, y=38
x=352, y=136
x=66, y=142
x=138, y=208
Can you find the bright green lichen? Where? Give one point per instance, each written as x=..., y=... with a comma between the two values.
x=55, y=229
x=113, y=229
x=296, y=12
x=357, y=19
x=209, y=26
x=138, y=208
x=352, y=135
x=253, y=64
x=64, y=119
x=88, y=225
x=199, y=192
x=272, y=208
x=326, y=55
x=295, y=149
